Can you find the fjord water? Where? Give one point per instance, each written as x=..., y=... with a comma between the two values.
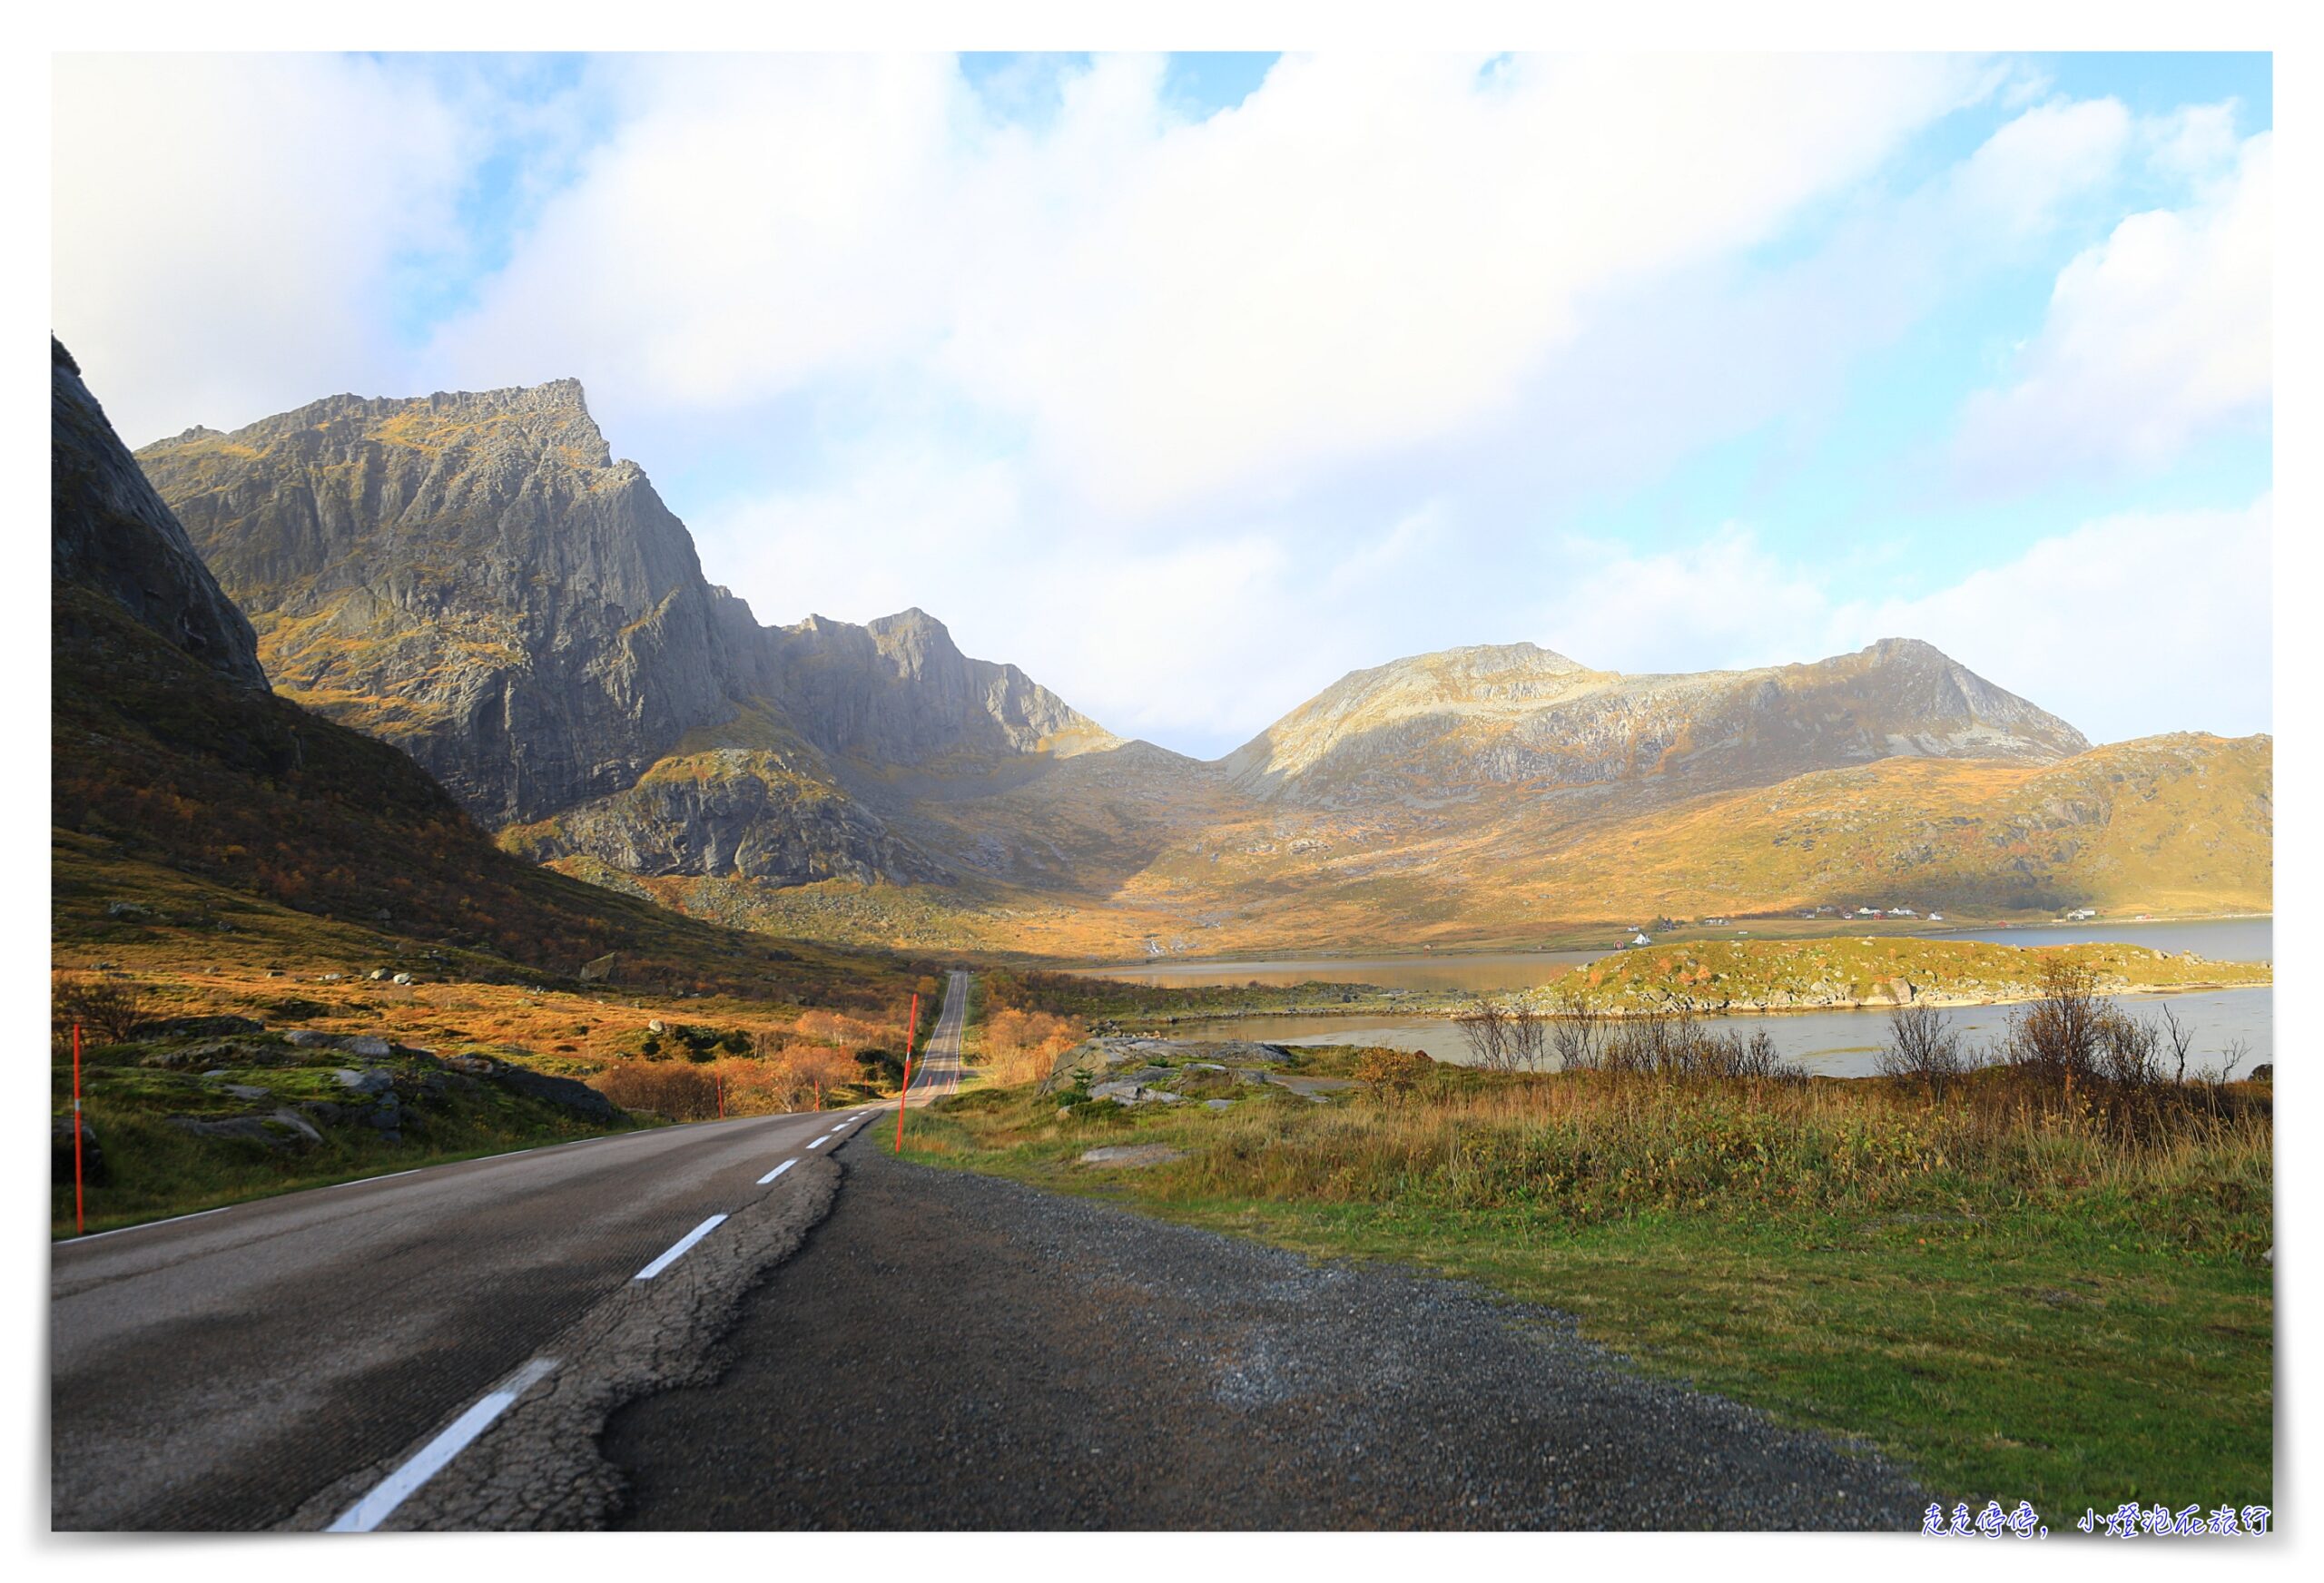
x=1829, y=1044
x=1838, y=1044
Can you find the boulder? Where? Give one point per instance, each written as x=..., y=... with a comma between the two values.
x=371, y=1080
x=369, y=1047
x=1132, y=1156
x=281, y=1130
x=60, y=1154
x=1129, y=1092
x=573, y=1096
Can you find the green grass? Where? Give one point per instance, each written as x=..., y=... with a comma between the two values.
x=2013, y=1309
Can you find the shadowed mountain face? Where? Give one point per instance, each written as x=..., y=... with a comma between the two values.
x=109, y=534
x=472, y=577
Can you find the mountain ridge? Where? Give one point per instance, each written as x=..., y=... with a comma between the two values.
x=638, y=721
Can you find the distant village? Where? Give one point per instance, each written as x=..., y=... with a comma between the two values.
x=1644, y=935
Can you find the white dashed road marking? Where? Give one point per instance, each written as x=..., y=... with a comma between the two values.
x=392, y=1491
x=677, y=1249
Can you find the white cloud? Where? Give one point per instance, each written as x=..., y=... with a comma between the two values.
x=2130, y=624
x=224, y=226
x=2125, y=625
x=2019, y=175
x=1367, y=252
x=1721, y=602
x=2155, y=339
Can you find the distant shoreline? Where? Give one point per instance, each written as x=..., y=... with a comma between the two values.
x=1682, y=936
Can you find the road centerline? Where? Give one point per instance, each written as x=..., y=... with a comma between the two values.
x=678, y=1249
x=397, y=1487
x=778, y=1171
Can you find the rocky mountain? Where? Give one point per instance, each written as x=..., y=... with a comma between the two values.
x=170, y=757
x=473, y=578
x=1448, y=725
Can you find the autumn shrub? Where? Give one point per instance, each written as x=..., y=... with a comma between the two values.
x=109, y=1009
x=1022, y=1047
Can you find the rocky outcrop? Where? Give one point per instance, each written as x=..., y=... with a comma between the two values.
x=1448, y=724
x=731, y=813
x=111, y=533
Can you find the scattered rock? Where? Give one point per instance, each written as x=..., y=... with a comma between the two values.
x=1115, y=1053
x=401, y=979
x=371, y=1080
x=653, y=1025
x=246, y=1091
x=376, y=974
x=129, y=910
x=314, y=1039
x=473, y=1066
x=369, y=1047
x=1218, y=1104
x=1132, y=1156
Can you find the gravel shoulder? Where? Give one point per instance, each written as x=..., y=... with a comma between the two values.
x=951, y=1351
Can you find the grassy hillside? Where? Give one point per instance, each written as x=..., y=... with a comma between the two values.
x=159, y=761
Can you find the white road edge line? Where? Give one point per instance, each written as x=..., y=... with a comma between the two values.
x=677, y=1249
x=426, y=1462
x=149, y=1224
x=778, y=1171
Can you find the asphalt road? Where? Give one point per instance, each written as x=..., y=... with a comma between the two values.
x=217, y=1371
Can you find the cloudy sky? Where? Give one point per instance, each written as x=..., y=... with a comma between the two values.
x=1189, y=383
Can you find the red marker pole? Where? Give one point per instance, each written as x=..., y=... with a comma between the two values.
x=80, y=1224
x=911, y=1032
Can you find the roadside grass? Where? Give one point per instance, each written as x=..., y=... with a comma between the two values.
x=173, y=946
x=153, y=1169
x=2016, y=1305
